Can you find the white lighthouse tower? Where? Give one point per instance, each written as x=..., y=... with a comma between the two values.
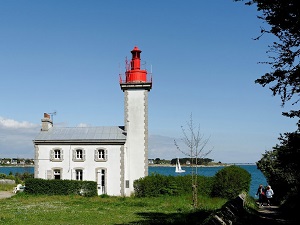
x=135, y=87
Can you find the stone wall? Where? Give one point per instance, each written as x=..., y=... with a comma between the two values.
x=230, y=212
x=7, y=181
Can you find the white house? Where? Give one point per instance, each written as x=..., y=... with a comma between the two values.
x=112, y=156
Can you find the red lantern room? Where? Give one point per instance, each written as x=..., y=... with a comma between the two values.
x=134, y=74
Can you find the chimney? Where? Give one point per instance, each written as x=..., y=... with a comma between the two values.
x=46, y=122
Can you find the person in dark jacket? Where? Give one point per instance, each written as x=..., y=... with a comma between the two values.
x=261, y=194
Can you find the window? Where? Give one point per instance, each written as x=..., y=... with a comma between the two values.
x=78, y=155
x=56, y=154
x=56, y=174
x=79, y=174
x=100, y=155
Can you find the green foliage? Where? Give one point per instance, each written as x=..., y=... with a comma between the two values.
x=60, y=187
x=18, y=177
x=7, y=187
x=282, y=169
x=280, y=166
x=230, y=181
x=200, y=161
x=157, y=185
x=8, y=177
x=283, y=18
x=154, y=185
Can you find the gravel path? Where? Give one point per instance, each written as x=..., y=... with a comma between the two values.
x=272, y=215
x=6, y=194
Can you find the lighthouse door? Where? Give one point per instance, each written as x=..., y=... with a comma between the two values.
x=101, y=173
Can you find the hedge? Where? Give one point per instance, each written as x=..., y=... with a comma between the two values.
x=156, y=185
x=228, y=183
x=60, y=187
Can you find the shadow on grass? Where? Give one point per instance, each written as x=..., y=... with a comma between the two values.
x=151, y=218
x=247, y=217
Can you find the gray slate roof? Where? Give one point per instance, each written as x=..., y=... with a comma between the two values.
x=113, y=134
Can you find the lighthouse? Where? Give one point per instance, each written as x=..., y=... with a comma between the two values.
x=136, y=87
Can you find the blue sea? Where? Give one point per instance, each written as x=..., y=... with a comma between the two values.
x=257, y=177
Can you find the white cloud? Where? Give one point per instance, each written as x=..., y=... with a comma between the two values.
x=163, y=147
x=16, y=138
x=83, y=125
x=16, y=141
x=10, y=123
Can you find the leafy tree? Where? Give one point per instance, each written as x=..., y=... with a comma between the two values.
x=231, y=181
x=282, y=169
x=200, y=161
x=280, y=165
x=157, y=161
x=284, y=77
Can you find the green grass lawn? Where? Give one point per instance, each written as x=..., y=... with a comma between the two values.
x=28, y=209
x=7, y=187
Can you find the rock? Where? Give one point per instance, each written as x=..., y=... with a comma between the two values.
x=7, y=181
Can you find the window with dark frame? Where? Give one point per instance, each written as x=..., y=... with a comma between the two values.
x=101, y=154
x=79, y=174
x=57, y=154
x=79, y=154
x=56, y=174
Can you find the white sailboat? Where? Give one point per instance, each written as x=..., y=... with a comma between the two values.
x=178, y=167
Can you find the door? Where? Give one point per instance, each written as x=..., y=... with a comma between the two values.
x=101, y=185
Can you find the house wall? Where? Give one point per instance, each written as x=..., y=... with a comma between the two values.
x=89, y=165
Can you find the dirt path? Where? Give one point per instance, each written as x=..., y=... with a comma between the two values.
x=273, y=215
x=6, y=194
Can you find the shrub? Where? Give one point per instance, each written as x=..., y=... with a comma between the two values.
x=60, y=187
x=153, y=186
x=230, y=181
x=156, y=185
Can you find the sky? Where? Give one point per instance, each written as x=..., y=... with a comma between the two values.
x=66, y=57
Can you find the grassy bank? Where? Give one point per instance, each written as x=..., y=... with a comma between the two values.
x=22, y=209
x=7, y=187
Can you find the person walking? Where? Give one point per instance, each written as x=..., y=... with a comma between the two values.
x=261, y=194
x=269, y=194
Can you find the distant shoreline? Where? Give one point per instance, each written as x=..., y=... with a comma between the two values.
x=210, y=165
x=169, y=165
x=17, y=166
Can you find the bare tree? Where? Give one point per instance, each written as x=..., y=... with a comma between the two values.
x=195, y=145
